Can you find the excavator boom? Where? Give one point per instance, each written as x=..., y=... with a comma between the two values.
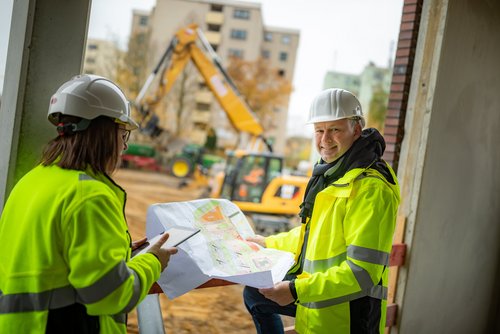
x=181, y=50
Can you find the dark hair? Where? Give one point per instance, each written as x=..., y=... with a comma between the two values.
x=95, y=148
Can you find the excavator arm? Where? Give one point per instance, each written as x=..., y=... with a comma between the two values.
x=181, y=50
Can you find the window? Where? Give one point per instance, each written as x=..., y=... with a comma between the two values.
x=216, y=8
x=143, y=21
x=283, y=56
x=287, y=191
x=214, y=47
x=202, y=106
x=238, y=34
x=285, y=39
x=281, y=73
x=214, y=27
x=235, y=53
x=266, y=54
x=275, y=165
x=90, y=60
x=378, y=76
x=251, y=178
x=268, y=36
x=92, y=47
x=241, y=14
x=201, y=126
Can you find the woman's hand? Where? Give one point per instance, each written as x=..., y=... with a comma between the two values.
x=138, y=243
x=162, y=254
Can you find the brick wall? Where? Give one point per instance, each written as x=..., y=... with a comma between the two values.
x=395, y=120
x=401, y=79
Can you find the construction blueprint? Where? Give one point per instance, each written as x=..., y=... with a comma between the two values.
x=219, y=250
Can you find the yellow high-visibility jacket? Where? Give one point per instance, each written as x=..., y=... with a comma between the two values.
x=347, y=254
x=64, y=241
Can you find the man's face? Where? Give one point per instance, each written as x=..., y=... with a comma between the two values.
x=334, y=138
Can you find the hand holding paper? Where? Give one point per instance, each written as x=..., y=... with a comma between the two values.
x=161, y=251
x=279, y=293
x=138, y=243
x=163, y=245
x=258, y=239
x=221, y=250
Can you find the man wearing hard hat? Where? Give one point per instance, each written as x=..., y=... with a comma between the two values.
x=339, y=281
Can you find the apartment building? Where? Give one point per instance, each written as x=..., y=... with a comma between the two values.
x=350, y=82
x=102, y=57
x=233, y=28
x=138, y=49
x=363, y=85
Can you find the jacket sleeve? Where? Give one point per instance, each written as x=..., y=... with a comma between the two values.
x=96, y=245
x=286, y=241
x=368, y=231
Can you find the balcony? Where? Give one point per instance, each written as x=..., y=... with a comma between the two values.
x=213, y=37
x=214, y=18
x=202, y=117
x=204, y=96
x=198, y=136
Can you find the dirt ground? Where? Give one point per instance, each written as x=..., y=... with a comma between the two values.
x=210, y=310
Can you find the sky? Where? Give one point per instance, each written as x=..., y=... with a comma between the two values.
x=5, y=18
x=339, y=35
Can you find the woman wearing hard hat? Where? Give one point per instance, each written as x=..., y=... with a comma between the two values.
x=339, y=281
x=65, y=249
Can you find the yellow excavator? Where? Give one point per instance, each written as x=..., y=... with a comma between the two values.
x=253, y=177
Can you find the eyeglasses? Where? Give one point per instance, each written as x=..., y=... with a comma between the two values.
x=125, y=135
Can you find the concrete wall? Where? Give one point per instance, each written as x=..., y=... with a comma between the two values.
x=450, y=284
x=46, y=46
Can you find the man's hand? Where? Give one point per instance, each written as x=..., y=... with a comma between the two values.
x=279, y=294
x=258, y=239
x=163, y=255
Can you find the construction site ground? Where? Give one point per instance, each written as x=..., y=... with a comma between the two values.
x=209, y=310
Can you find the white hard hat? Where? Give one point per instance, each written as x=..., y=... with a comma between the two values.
x=333, y=104
x=88, y=97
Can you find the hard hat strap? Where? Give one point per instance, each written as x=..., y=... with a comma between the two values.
x=68, y=129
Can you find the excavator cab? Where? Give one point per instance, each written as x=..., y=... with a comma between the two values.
x=254, y=181
x=247, y=177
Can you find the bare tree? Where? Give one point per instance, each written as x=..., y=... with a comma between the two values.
x=378, y=109
x=262, y=86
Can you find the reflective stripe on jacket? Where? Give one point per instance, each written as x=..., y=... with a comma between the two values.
x=64, y=240
x=347, y=254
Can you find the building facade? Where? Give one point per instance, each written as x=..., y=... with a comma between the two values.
x=232, y=28
x=367, y=86
x=137, y=50
x=102, y=57
x=347, y=81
